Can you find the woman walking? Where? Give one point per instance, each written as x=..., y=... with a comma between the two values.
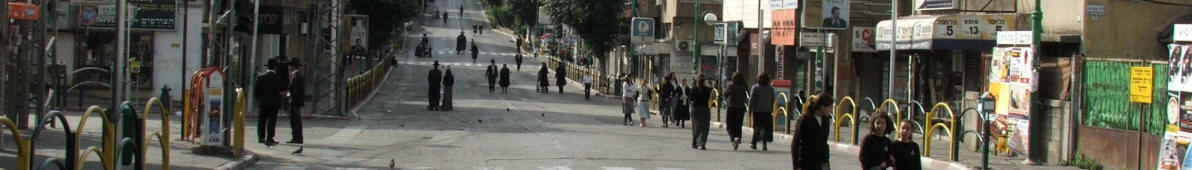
x=737, y=93
x=680, y=103
x=875, y=147
x=762, y=104
x=666, y=98
x=643, y=103
x=809, y=146
x=628, y=98
x=448, y=82
x=700, y=113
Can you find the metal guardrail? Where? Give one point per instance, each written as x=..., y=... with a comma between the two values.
x=780, y=110
x=897, y=113
x=948, y=128
x=163, y=135
x=360, y=86
x=850, y=116
x=714, y=102
x=107, y=152
x=24, y=152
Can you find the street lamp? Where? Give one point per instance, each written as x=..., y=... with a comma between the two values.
x=710, y=19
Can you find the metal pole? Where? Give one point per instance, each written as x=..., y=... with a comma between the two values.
x=185, y=36
x=695, y=28
x=893, y=47
x=118, y=65
x=1036, y=43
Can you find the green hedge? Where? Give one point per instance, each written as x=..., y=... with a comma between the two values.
x=1107, y=94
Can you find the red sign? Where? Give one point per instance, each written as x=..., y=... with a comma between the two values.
x=23, y=11
x=784, y=27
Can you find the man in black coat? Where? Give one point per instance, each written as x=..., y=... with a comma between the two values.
x=543, y=82
x=561, y=76
x=491, y=74
x=505, y=78
x=297, y=95
x=434, y=80
x=460, y=43
x=475, y=51
x=268, y=92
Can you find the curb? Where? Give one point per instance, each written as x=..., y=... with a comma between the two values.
x=242, y=163
x=786, y=138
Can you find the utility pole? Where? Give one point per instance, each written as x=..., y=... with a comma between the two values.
x=893, y=48
x=5, y=50
x=1036, y=44
x=696, y=50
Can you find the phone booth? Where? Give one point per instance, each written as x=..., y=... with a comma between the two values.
x=203, y=115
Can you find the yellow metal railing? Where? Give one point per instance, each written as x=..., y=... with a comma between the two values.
x=163, y=135
x=897, y=113
x=850, y=116
x=107, y=152
x=238, y=122
x=714, y=102
x=781, y=108
x=23, y=146
x=947, y=128
x=359, y=86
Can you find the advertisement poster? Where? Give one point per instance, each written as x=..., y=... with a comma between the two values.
x=357, y=38
x=863, y=39
x=1011, y=81
x=834, y=14
x=1179, y=69
x=1173, y=149
x=210, y=117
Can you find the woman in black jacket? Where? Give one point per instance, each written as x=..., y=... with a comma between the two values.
x=809, y=146
x=700, y=113
x=875, y=148
x=681, y=98
x=737, y=93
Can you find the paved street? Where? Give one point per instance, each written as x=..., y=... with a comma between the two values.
x=518, y=130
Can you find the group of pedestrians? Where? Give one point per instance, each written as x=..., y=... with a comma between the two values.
x=440, y=85
x=493, y=74
x=544, y=80
x=280, y=86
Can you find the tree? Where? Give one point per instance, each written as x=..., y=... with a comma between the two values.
x=385, y=15
x=597, y=22
x=524, y=12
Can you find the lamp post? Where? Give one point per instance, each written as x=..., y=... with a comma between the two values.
x=695, y=49
x=711, y=20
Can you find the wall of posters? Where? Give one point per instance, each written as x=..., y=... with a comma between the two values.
x=1011, y=81
x=1179, y=68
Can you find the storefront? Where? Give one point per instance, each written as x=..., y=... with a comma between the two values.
x=940, y=58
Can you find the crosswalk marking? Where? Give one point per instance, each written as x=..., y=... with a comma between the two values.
x=554, y=168
x=617, y=168
x=486, y=53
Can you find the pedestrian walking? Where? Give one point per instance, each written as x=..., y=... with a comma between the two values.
x=681, y=112
x=875, y=147
x=643, y=102
x=268, y=92
x=460, y=42
x=587, y=87
x=737, y=93
x=543, y=82
x=561, y=76
x=761, y=103
x=448, y=90
x=475, y=51
x=297, y=95
x=905, y=150
x=491, y=74
x=809, y=146
x=434, y=79
x=628, y=98
x=701, y=114
x=665, y=99
x=517, y=58
x=504, y=78
x=444, y=17
x=481, y=29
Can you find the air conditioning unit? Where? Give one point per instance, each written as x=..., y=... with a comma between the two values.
x=684, y=45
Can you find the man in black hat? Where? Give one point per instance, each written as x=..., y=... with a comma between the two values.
x=434, y=80
x=561, y=77
x=491, y=74
x=297, y=95
x=268, y=92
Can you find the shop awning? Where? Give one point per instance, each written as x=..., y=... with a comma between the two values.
x=946, y=32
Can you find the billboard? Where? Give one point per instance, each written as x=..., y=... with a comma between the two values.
x=357, y=33
x=1179, y=71
x=863, y=39
x=1011, y=81
x=833, y=14
x=784, y=28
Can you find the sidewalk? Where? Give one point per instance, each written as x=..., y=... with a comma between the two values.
x=570, y=82
x=51, y=144
x=939, y=150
